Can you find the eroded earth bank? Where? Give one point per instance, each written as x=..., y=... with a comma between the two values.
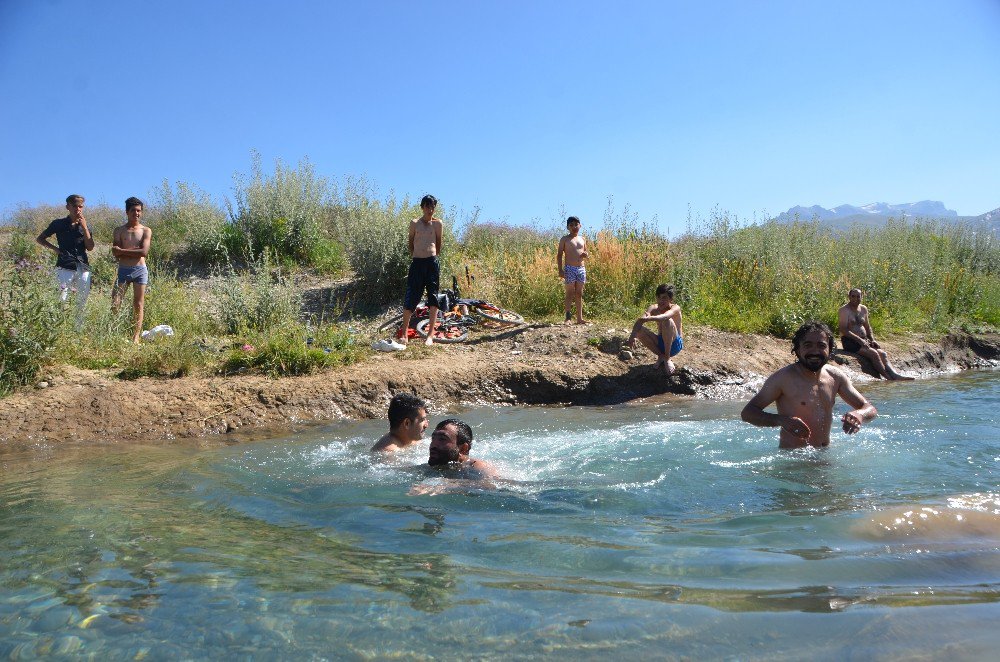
x=533, y=365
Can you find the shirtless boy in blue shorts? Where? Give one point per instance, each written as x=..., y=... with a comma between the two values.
x=667, y=316
x=425, y=272
x=573, y=247
x=130, y=248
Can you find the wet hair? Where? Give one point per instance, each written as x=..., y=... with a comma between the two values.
x=428, y=200
x=571, y=220
x=134, y=202
x=807, y=328
x=669, y=290
x=464, y=432
x=403, y=407
x=853, y=290
x=70, y=199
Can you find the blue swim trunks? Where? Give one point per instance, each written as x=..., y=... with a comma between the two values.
x=675, y=347
x=575, y=274
x=137, y=274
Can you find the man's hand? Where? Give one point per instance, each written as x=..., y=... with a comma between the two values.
x=873, y=344
x=797, y=427
x=852, y=422
x=584, y=254
x=562, y=272
x=630, y=342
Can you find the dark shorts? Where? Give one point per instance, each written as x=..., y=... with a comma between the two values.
x=675, y=347
x=424, y=273
x=850, y=344
x=137, y=274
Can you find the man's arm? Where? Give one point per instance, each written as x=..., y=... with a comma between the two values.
x=863, y=411
x=88, y=238
x=754, y=414
x=868, y=329
x=671, y=311
x=142, y=251
x=438, y=234
x=43, y=240
x=413, y=233
x=559, y=255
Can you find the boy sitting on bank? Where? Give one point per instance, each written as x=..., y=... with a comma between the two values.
x=667, y=316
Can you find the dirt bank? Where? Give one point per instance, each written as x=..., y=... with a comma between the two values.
x=537, y=364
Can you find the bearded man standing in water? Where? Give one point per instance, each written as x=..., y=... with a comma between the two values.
x=805, y=392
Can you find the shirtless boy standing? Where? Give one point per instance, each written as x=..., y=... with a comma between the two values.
x=130, y=248
x=670, y=328
x=857, y=337
x=805, y=392
x=425, y=272
x=574, y=248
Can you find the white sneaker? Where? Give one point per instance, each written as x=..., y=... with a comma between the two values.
x=386, y=345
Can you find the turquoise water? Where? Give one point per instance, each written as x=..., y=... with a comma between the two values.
x=659, y=529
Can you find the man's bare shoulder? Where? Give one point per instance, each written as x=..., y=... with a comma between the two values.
x=386, y=444
x=837, y=373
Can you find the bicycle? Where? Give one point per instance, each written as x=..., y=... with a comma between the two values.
x=456, y=315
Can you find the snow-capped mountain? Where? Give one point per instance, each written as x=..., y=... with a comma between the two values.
x=922, y=209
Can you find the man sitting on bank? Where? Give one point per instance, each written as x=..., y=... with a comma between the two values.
x=857, y=337
x=407, y=422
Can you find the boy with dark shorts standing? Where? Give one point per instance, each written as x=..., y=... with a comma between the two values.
x=130, y=248
x=425, y=271
x=573, y=247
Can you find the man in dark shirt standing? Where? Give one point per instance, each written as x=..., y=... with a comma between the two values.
x=74, y=240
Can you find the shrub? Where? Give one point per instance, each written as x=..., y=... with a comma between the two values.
x=31, y=319
x=258, y=300
x=188, y=226
x=294, y=349
x=279, y=214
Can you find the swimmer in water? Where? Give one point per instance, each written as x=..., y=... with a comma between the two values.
x=407, y=422
x=805, y=392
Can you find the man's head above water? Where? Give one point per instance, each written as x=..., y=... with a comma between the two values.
x=812, y=344
x=450, y=442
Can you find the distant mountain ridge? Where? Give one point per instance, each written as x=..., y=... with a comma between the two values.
x=876, y=214
x=923, y=209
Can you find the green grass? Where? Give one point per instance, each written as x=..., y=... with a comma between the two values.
x=918, y=278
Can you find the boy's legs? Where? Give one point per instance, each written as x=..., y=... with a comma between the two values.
x=578, y=298
x=668, y=332
x=117, y=292
x=82, y=293
x=138, y=304
x=570, y=298
x=65, y=278
x=414, y=290
x=649, y=340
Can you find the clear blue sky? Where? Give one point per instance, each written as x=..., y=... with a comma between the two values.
x=519, y=108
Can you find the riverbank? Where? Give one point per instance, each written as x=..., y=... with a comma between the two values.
x=533, y=365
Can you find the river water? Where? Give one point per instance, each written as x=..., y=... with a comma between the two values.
x=660, y=529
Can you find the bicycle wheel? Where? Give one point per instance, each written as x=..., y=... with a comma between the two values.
x=445, y=331
x=499, y=315
x=391, y=323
